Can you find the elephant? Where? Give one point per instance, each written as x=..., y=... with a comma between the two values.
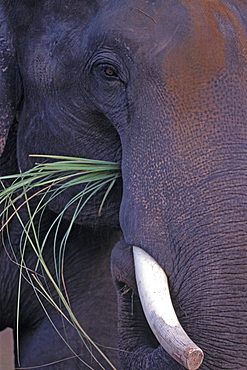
x=159, y=86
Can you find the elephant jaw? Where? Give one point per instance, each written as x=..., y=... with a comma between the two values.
x=154, y=293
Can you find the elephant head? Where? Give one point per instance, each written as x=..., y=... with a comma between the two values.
x=162, y=87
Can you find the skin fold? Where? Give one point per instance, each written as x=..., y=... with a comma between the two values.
x=160, y=87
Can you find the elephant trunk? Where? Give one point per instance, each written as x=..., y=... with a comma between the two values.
x=196, y=231
x=184, y=203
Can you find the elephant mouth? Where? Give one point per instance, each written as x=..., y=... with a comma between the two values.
x=156, y=302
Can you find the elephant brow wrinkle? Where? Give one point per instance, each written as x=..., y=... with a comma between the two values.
x=147, y=15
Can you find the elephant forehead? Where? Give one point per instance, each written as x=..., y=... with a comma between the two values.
x=195, y=38
x=215, y=42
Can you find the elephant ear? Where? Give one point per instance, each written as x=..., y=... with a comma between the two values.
x=10, y=96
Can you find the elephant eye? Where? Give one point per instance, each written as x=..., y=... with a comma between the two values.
x=109, y=72
x=106, y=71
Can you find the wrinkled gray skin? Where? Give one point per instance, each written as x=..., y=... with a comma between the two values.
x=160, y=86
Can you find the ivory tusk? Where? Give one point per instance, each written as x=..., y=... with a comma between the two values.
x=155, y=297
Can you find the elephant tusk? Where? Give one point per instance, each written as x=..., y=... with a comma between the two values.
x=155, y=297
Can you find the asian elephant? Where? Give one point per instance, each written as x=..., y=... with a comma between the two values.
x=159, y=86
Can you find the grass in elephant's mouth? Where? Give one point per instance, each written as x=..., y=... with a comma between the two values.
x=51, y=179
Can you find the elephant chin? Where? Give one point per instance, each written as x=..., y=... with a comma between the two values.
x=155, y=297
